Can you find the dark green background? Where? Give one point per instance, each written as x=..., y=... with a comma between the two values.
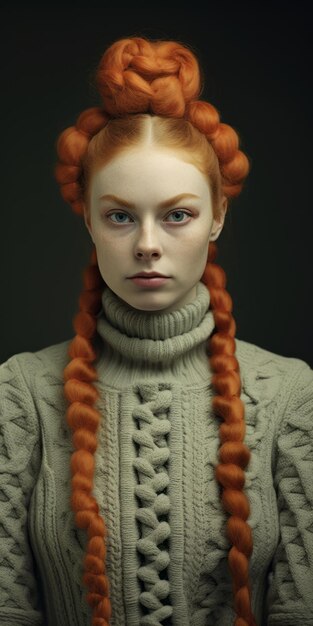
x=256, y=59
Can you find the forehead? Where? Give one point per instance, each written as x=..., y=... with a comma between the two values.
x=149, y=167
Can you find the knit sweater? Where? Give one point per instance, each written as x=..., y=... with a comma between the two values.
x=154, y=479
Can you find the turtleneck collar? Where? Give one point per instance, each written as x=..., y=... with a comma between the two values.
x=143, y=341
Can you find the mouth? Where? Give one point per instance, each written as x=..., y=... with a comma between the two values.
x=154, y=275
x=149, y=281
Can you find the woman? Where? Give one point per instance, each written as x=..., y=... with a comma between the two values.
x=155, y=460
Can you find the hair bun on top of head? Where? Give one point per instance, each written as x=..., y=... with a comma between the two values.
x=137, y=75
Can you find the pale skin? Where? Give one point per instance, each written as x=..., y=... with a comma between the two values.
x=172, y=240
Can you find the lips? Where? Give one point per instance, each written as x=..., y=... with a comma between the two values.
x=154, y=275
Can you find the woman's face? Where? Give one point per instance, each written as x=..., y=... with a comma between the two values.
x=149, y=210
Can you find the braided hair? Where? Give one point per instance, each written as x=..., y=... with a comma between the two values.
x=137, y=77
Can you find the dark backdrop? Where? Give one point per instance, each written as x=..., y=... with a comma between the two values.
x=256, y=63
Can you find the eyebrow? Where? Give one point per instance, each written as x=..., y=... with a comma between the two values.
x=162, y=205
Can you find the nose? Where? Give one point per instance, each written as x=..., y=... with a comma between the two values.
x=148, y=244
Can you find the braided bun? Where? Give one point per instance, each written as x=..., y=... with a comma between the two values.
x=135, y=75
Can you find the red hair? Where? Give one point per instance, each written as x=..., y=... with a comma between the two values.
x=137, y=77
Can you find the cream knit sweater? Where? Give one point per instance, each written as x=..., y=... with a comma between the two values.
x=154, y=481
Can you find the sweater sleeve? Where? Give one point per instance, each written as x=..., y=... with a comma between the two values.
x=19, y=467
x=290, y=591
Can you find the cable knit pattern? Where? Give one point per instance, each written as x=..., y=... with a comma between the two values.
x=154, y=479
x=19, y=467
x=261, y=382
x=294, y=485
x=153, y=454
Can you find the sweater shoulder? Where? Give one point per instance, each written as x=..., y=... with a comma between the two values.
x=267, y=375
x=50, y=360
x=251, y=356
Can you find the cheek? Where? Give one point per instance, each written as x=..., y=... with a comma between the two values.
x=106, y=244
x=196, y=251
x=110, y=254
x=196, y=245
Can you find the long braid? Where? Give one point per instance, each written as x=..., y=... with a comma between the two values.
x=79, y=376
x=84, y=420
x=161, y=78
x=233, y=454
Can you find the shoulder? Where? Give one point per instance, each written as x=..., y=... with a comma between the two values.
x=32, y=392
x=26, y=378
x=267, y=375
x=49, y=361
x=250, y=354
x=267, y=363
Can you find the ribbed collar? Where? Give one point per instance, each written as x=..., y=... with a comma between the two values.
x=136, y=338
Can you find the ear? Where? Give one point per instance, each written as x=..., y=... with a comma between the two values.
x=218, y=224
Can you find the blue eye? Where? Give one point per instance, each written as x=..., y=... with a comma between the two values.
x=121, y=213
x=118, y=213
x=181, y=212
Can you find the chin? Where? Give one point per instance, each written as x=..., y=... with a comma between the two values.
x=150, y=306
